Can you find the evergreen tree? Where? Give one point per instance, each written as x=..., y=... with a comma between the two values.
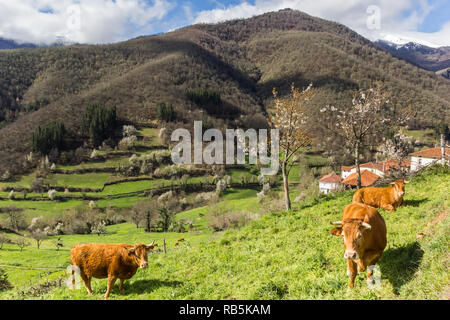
x=99, y=122
x=48, y=137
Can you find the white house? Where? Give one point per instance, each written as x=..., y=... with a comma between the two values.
x=329, y=183
x=378, y=168
x=426, y=157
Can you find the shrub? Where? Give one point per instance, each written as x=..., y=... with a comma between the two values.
x=4, y=283
x=52, y=194
x=129, y=131
x=127, y=142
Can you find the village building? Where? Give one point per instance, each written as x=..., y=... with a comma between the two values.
x=426, y=157
x=371, y=172
x=368, y=178
x=330, y=183
x=379, y=168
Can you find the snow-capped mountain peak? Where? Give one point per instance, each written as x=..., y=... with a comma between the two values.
x=399, y=41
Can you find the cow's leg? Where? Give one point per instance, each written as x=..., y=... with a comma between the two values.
x=371, y=259
x=389, y=207
x=111, y=280
x=352, y=268
x=121, y=284
x=87, y=282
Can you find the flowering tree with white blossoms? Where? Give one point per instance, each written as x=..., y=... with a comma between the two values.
x=361, y=123
x=290, y=118
x=396, y=147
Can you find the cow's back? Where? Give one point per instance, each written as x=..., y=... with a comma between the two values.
x=94, y=260
x=372, y=196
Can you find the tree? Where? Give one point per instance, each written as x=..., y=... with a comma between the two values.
x=99, y=122
x=58, y=243
x=38, y=235
x=440, y=129
x=396, y=146
x=21, y=243
x=3, y=240
x=166, y=113
x=99, y=228
x=363, y=122
x=290, y=117
x=145, y=210
x=48, y=137
x=16, y=220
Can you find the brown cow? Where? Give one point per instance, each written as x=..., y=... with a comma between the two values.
x=112, y=261
x=364, y=233
x=388, y=198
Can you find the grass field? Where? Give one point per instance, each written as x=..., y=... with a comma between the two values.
x=283, y=255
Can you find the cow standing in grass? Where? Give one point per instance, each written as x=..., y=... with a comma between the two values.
x=364, y=232
x=112, y=261
x=389, y=198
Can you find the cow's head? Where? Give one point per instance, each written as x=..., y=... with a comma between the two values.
x=399, y=187
x=353, y=232
x=140, y=253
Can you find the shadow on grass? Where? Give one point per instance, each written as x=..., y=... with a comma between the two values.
x=145, y=286
x=415, y=203
x=399, y=264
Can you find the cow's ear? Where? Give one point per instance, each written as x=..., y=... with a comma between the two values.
x=336, y=232
x=129, y=250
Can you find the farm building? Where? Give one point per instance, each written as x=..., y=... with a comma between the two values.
x=329, y=183
x=379, y=168
x=368, y=178
x=370, y=173
x=426, y=157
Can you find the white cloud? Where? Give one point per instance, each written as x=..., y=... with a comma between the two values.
x=352, y=13
x=84, y=21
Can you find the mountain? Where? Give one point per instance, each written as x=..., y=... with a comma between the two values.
x=11, y=44
x=242, y=60
x=433, y=59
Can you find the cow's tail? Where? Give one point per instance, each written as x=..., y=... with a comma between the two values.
x=72, y=281
x=72, y=278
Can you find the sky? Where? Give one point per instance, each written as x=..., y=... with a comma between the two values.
x=108, y=21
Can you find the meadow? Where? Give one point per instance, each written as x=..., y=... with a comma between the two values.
x=282, y=255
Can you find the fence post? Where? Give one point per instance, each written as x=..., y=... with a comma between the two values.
x=165, y=251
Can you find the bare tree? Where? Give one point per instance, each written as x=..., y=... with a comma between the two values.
x=3, y=240
x=16, y=220
x=58, y=243
x=362, y=123
x=21, y=243
x=38, y=235
x=290, y=118
x=145, y=210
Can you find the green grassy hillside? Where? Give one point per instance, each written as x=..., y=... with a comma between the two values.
x=241, y=60
x=283, y=255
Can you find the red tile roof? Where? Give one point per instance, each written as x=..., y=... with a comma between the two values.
x=367, y=179
x=331, y=178
x=380, y=166
x=432, y=153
